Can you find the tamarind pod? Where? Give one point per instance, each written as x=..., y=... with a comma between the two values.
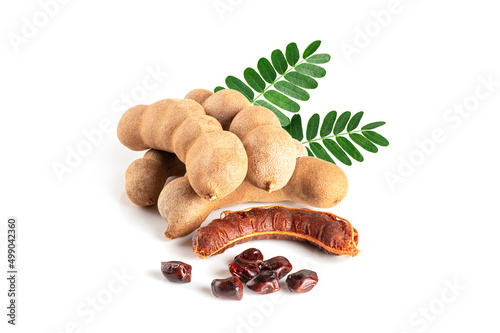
x=315, y=182
x=146, y=176
x=327, y=231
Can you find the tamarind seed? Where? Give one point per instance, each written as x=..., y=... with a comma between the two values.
x=264, y=283
x=302, y=281
x=251, y=254
x=244, y=269
x=230, y=288
x=280, y=265
x=176, y=271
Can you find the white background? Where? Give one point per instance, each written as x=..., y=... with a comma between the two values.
x=439, y=226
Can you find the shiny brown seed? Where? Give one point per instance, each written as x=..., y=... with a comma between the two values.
x=230, y=288
x=264, y=283
x=244, y=269
x=302, y=281
x=251, y=254
x=176, y=271
x=278, y=264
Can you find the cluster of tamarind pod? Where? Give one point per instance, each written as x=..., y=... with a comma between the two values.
x=225, y=151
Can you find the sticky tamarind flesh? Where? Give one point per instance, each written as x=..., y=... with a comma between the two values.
x=327, y=231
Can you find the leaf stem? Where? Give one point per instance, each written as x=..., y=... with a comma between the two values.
x=331, y=136
x=277, y=79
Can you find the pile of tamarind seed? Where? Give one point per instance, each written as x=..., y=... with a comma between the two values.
x=250, y=268
x=225, y=151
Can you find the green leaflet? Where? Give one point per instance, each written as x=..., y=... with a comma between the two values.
x=279, y=61
x=376, y=138
x=282, y=79
x=327, y=126
x=322, y=58
x=354, y=122
x=373, y=125
x=236, y=84
x=363, y=142
x=301, y=80
x=320, y=152
x=341, y=122
x=281, y=100
x=292, y=54
x=254, y=79
x=311, y=70
x=266, y=70
x=311, y=49
x=312, y=127
x=296, y=127
x=349, y=148
x=335, y=149
x=292, y=90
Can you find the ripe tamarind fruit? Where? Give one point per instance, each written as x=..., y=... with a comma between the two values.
x=271, y=150
x=146, y=176
x=314, y=182
x=216, y=160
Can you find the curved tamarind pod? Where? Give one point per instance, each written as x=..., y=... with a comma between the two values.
x=327, y=231
x=271, y=150
x=177, y=125
x=199, y=95
x=146, y=176
x=315, y=183
x=224, y=105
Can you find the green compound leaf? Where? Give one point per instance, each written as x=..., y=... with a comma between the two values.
x=321, y=58
x=266, y=70
x=218, y=88
x=349, y=148
x=311, y=49
x=309, y=152
x=292, y=90
x=292, y=54
x=373, y=125
x=363, y=142
x=312, y=127
x=254, y=80
x=376, y=138
x=279, y=61
x=354, y=122
x=281, y=116
x=341, y=122
x=301, y=80
x=296, y=127
x=320, y=152
x=311, y=70
x=327, y=126
x=336, y=151
x=236, y=84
